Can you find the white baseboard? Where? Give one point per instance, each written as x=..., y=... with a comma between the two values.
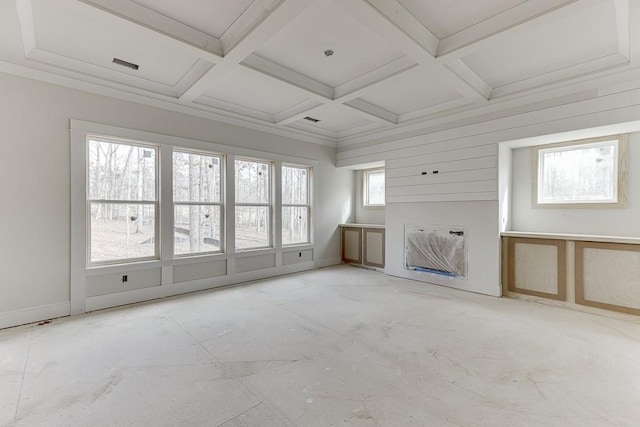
x=327, y=262
x=33, y=314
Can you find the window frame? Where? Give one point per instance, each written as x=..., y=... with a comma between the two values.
x=221, y=203
x=366, y=173
x=269, y=205
x=283, y=205
x=89, y=201
x=621, y=172
x=210, y=269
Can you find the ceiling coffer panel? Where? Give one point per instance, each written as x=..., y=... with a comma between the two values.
x=80, y=37
x=212, y=17
x=332, y=118
x=410, y=91
x=574, y=35
x=444, y=18
x=250, y=89
x=327, y=45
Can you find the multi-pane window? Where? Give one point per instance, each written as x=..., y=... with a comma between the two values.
x=197, y=203
x=253, y=204
x=296, y=209
x=579, y=173
x=122, y=201
x=373, y=187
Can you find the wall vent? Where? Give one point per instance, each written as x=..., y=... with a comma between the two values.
x=126, y=63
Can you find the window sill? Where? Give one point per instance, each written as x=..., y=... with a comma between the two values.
x=252, y=252
x=297, y=247
x=97, y=270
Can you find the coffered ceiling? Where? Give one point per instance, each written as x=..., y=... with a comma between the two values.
x=326, y=71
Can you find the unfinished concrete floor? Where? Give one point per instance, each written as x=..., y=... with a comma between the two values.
x=337, y=346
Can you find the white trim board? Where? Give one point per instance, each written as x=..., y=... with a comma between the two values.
x=82, y=126
x=24, y=316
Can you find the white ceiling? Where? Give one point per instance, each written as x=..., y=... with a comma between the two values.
x=261, y=63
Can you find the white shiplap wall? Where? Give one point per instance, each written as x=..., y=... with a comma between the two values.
x=465, y=155
x=465, y=174
x=465, y=190
x=438, y=171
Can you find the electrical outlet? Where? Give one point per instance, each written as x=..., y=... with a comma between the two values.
x=125, y=278
x=299, y=254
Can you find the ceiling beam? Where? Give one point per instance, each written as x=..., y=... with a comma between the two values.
x=622, y=26
x=277, y=19
x=395, y=12
x=25, y=16
x=354, y=88
x=321, y=94
x=182, y=36
x=471, y=77
x=287, y=75
x=374, y=19
x=242, y=26
x=373, y=110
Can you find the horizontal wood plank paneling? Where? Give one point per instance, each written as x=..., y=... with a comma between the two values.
x=443, y=176
x=450, y=197
x=445, y=188
x=426, y=148
x=450, y=166
x=462, y=174
x=445, y=156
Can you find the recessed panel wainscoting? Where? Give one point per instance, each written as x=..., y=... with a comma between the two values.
x=594, y=271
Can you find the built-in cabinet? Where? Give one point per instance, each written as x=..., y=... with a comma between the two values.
x=595, y=271
x=363, y=244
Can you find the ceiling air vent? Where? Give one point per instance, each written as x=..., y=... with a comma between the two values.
x=126, y=63
x=311, y=119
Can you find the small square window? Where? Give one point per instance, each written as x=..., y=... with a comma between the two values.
x=373, y=187
x=588, y=173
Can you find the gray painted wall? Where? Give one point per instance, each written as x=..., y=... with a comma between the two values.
x=35, y=180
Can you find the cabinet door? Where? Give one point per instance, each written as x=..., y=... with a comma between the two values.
x=373, y=247
x=351, y=244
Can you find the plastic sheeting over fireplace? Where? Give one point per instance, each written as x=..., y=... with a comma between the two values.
x=438, y=249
